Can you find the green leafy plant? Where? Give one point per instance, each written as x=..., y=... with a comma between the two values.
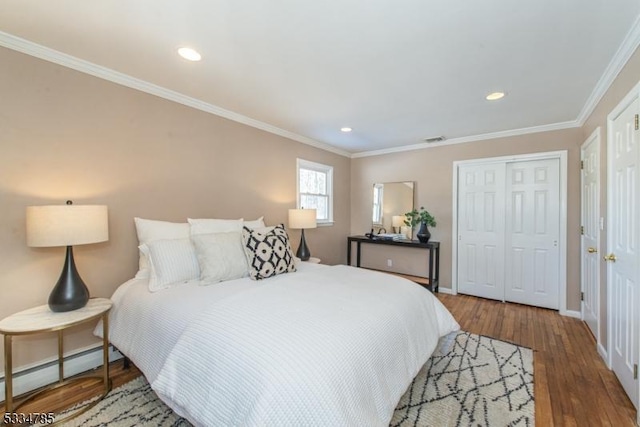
x=416, y=217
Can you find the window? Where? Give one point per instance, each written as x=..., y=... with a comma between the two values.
x=315, y=189
x=378, y=194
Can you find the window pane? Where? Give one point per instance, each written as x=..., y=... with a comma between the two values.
x=322, y=206
x=315, y=187
x=320, y=203
x=313, y=182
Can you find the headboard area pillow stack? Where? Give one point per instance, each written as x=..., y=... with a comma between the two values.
x=268, y=252
x=218, y=245
x=170, y=262
x=149, y=230
x=210, y=250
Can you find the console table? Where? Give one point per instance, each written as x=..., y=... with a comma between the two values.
x=431, y=282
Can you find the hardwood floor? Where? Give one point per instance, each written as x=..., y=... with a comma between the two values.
x=573, y=387
x=58, y=400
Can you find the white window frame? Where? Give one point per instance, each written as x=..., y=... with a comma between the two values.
x=318, y=167
x=378, y=207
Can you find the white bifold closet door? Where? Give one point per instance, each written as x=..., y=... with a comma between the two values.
x=481, y=230
x=509, y=228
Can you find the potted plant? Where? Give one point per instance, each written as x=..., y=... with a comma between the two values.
x=422, y=217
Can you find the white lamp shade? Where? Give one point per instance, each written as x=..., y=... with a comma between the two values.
x=302, y=218
x=66, y=225
x=397, y=220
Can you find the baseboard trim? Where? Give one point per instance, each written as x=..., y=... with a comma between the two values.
x=447, y=291
x=32, y=377
x=603, y=353
x=571, y=313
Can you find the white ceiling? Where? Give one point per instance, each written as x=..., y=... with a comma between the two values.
x=395, y=71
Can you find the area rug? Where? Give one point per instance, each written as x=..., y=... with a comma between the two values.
x=479, y=381
x=469, y=380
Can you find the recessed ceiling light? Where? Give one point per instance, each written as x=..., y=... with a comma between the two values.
x=494, y=96
x=189, y=54
x=346, y=129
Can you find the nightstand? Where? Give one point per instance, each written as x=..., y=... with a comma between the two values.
x=313, y=260
x=40, y=320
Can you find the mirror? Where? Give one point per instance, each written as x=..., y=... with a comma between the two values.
x=391, y=199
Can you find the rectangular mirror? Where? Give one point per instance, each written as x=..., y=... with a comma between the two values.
x=391, y=199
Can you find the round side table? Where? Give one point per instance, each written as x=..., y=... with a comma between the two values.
x=40, y=320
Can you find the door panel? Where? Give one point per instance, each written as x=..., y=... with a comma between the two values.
x=509, y=231
x=480, y=233
x=590, y=275
x=623, y=270
x=532, y=232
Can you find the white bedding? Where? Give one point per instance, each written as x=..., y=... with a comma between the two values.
x=325, y=346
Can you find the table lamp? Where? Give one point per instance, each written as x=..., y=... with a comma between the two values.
x=67, y=225
x=302, y=219
x=397, y=221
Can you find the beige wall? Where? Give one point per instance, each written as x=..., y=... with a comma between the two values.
x=66, y=135
x=432, y=169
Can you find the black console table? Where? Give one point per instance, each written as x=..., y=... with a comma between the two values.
x=431, y=282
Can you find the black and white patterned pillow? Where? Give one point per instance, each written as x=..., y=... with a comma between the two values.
x=268, y=252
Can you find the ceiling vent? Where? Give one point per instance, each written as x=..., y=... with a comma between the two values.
x=434, y=139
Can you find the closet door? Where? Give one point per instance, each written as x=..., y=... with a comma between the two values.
x=532, y=232
x=481, y=230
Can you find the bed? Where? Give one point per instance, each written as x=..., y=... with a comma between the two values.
x=321, y=345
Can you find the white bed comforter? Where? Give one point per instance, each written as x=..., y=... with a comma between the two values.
x=325, y=346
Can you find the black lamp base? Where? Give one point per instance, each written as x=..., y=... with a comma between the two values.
x=303, y=250
x=70, y=293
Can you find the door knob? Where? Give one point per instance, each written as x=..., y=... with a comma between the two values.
x=592, y=250
x=611, y=257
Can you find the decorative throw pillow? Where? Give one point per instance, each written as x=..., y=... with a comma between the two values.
x=220, y=256
x=171, y=262
x=149, y=230
x=268, y=253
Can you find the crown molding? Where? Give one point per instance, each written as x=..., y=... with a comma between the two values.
x=493, y=135
x=617, y=63
x=619, y=60
x=42, y=52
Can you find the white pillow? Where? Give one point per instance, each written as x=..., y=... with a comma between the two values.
x=171, y=262
x=220, y=256
x=256, y=223
x=149, y=230
x=208, y=225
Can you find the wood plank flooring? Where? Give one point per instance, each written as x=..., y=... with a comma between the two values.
x=573, y=387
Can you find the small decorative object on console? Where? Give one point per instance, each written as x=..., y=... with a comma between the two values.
x=424, y=218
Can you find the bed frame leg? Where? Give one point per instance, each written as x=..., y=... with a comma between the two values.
x=126, y=364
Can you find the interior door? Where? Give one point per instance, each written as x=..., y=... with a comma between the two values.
x=622, y=257
x=532, y=223
x=590, y=242
x=481, y=230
